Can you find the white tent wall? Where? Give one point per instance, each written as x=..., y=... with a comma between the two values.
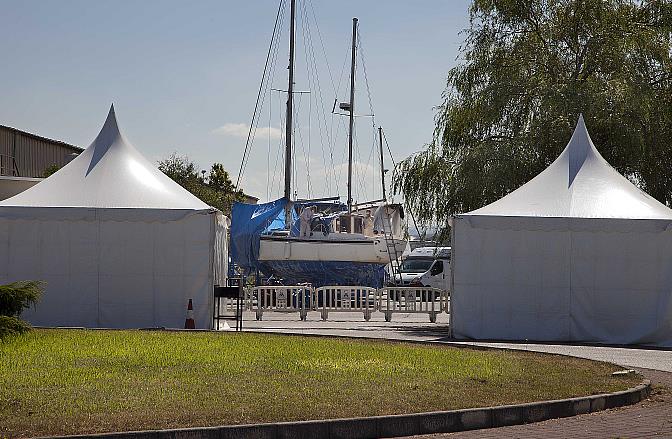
x=562, y=279
x=116, y=268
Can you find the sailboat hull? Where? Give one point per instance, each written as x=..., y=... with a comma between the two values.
x=369, y=250
x=327, y=262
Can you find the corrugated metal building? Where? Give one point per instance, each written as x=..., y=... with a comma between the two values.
x=24, y=154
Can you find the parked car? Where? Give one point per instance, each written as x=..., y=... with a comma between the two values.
x=427, y=267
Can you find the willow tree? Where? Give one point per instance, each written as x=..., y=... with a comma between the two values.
x=527, y=69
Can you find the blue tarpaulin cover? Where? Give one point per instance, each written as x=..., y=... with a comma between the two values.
x=320, y=273
x=248, y=221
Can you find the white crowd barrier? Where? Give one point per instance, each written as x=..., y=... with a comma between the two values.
x=346, y=299
x=302, y=299
x=227, y=304
x=250, y=297
x=286, y=299
x=407, y=300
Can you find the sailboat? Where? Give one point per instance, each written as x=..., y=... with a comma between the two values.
x=347, y=244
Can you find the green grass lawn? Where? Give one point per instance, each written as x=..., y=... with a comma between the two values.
x=79, y=381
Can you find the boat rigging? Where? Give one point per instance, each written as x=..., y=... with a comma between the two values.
x=337, y=243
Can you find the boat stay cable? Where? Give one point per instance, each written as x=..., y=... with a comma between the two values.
x=248, y=142
x=410, y=211
x=271, y=90
x=329, y=132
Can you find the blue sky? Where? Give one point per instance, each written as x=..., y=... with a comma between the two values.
x=184, y=77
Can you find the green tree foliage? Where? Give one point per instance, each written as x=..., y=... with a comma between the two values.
x=50, y=170
x=180, y=169
x=219, y=179
x=528, y=68
x=14, y=298
x=216, y=190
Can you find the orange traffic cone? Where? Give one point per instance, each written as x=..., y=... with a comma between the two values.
x=189, y=323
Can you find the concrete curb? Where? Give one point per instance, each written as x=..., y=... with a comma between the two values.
x=401, y=425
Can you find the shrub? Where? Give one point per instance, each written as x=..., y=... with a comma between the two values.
x=12, y=326
x=50, y=170
x=14, y=298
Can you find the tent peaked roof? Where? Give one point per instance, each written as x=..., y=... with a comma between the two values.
x=110, y=173
x=579, y=183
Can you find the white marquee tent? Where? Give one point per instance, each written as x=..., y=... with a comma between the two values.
x=118, y=243
x=576, y=254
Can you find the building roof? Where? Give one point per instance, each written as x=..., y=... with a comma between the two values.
x=76, y=149
x=579, y=183
x=110, y=173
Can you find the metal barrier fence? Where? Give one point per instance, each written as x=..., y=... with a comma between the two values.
x=423, y=300
x=250, y=296
x=227, y=304
x=249, y=299
x=302, y=299
x=248, y=302
x=346, y=299
x=286, y=299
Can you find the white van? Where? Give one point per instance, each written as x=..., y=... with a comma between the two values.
x=427, y=267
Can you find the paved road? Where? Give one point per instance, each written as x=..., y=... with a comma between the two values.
x=649, y=419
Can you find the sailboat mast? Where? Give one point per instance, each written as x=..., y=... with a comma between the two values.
x=352, y=111
x=288, y=127
x=382, y=164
